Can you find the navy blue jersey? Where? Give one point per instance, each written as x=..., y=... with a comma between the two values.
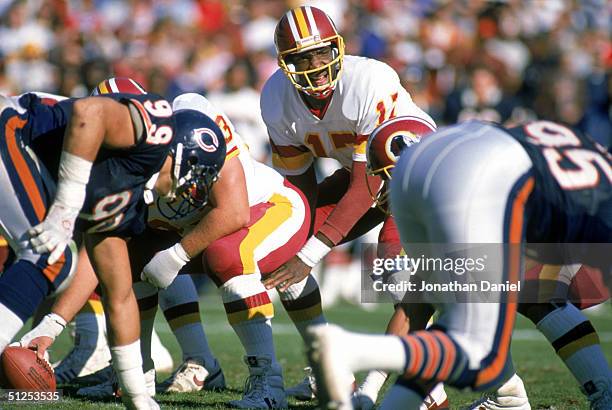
x=114, y=201
x=572, y=197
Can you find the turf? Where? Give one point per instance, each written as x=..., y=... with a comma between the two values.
x=549, y=384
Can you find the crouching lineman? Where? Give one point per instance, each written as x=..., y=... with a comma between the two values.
x=479, y=183
x=100, y=151
x=255, y=222
x=276, y=220
x=88, y=361
x=383, y=150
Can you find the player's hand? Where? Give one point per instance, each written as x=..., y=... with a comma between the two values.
x=293, y=271
x=54, y=233
x=164, y=266
x=44, y=334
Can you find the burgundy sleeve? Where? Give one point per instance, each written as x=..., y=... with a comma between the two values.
x=353, y=205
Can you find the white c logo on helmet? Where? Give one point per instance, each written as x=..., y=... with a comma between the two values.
x=201, y=140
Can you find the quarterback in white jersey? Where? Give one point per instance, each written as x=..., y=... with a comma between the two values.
x=321, y=103
x=367, y=93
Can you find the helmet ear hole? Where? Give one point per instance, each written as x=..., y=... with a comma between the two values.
x=291, y=66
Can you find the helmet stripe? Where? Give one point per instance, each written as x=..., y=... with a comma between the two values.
x=138, y=87
x=113, y=85
x=103, y=87
x=301, y=22
x=294, y=30
x=312, y=22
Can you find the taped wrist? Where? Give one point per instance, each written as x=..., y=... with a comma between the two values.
x=73, y=176
x=181, y=253
x=313, y=251
x=53, y=324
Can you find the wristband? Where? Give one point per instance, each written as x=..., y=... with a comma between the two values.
x=181, y=252
x=54, y=323
x=313, y=251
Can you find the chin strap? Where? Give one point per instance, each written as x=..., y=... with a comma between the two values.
x=148, y=195
x=176, y=171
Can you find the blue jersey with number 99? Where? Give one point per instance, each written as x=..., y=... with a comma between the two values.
x=114, y=201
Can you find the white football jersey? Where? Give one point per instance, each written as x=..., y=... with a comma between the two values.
x=261, y=180
x=368, y=93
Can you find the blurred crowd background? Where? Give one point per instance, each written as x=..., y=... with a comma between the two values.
x=505, y=61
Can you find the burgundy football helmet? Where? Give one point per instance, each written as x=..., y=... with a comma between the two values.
x=307, y=28
x=386, y=143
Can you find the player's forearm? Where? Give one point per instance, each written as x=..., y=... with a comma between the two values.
x=353, y=205
x=216, y=224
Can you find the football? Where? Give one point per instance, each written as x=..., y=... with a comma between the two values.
x=23, y=370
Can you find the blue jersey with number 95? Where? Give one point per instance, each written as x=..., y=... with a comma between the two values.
x=572, y=199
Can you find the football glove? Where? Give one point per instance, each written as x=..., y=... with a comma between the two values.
x=54, y=233
x=50, y=326
x=164, y=266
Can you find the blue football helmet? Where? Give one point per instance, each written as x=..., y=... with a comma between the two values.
x=198, y=152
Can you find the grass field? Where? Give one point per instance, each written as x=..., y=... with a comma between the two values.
x=549, y=384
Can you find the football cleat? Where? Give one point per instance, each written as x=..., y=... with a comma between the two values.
x=362, y=400
x=192, y=376
x=110, y=387
x=306, y=389
x=330, y=367
x=599, y=393
x=264, y=386
x=366, y=395
x=510, y=396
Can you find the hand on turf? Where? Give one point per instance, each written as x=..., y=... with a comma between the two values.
x=164, y=266
x=293, y=271
x=54, y=233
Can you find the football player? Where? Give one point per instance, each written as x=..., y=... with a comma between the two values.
x=383, y=149
x=321, y=103
x=480, y=183
x=255, y=222
x=268, y=226
x=569, y=331
x=88, y=360
x=99, y=152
